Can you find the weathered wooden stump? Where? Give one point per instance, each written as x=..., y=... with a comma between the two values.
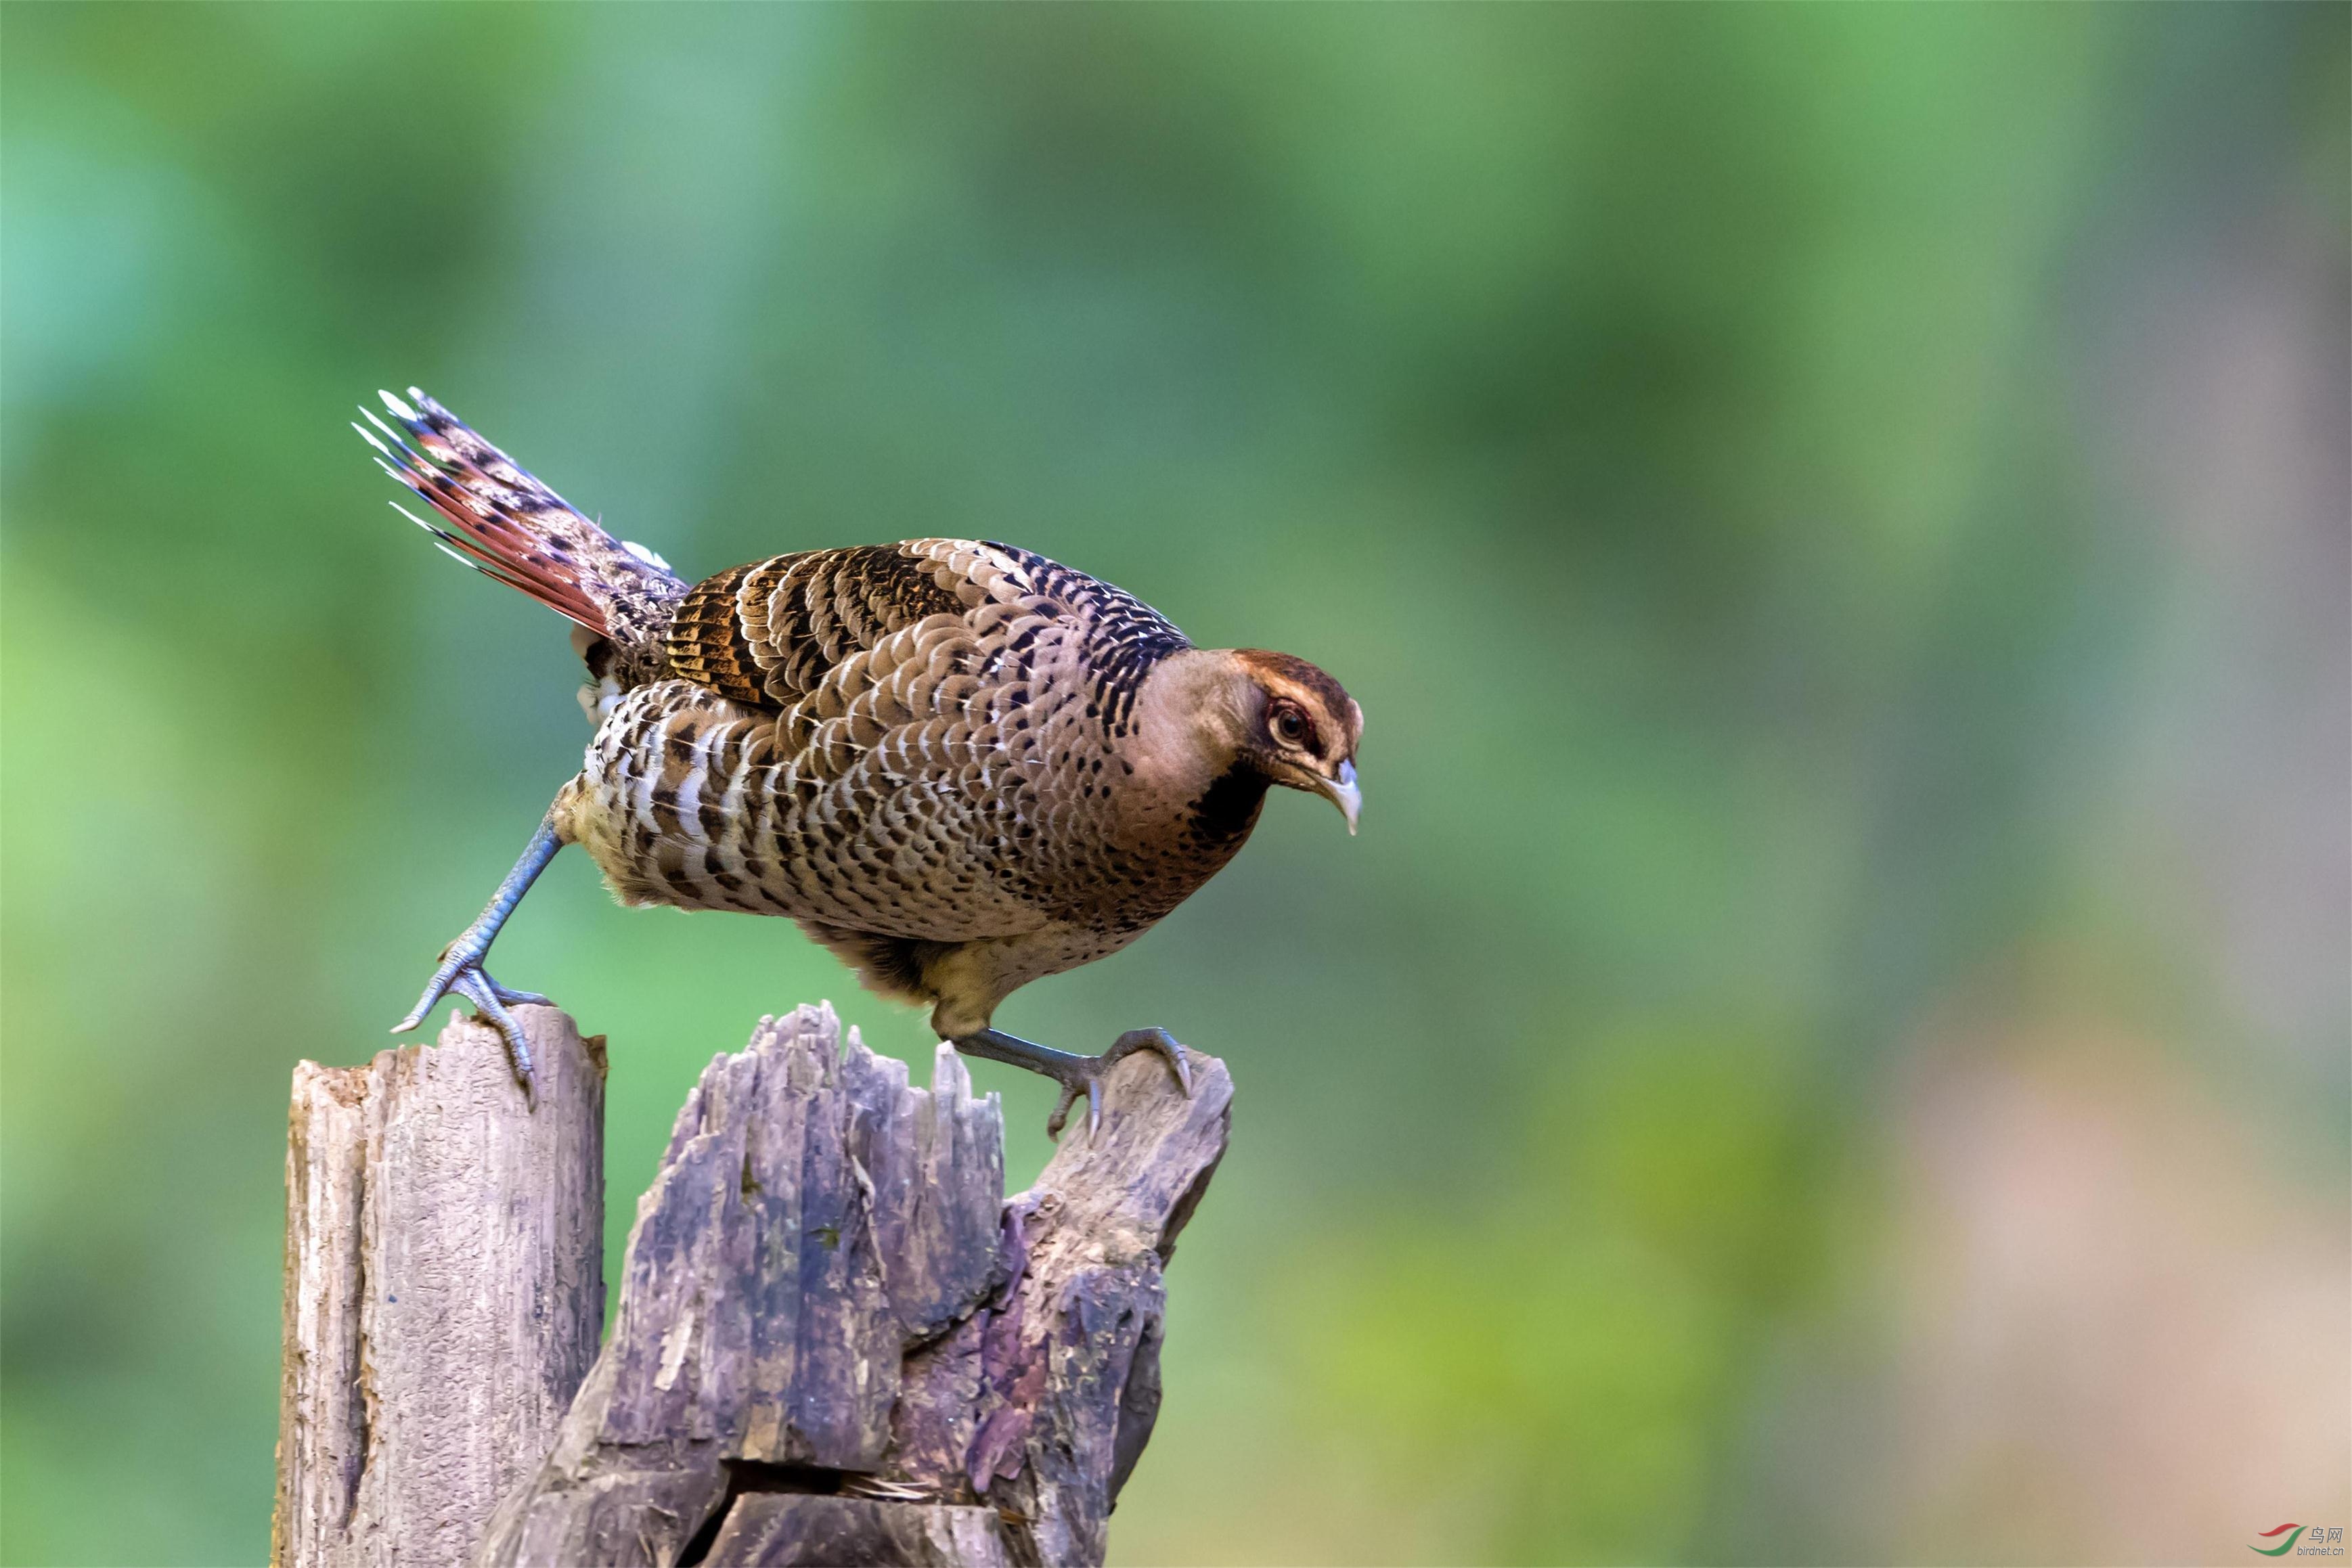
x=445, y=1286
x=839, y=1343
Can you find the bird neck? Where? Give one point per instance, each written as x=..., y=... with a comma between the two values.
x=1195, y=794
x=1188, y=721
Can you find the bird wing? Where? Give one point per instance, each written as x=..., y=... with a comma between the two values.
x=932, y=621
x=769, y=632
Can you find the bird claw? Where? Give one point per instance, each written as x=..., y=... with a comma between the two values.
x=461, y=974
x=1085, y=1075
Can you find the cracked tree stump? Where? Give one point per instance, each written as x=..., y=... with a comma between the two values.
x=444, y=1289
x=837, y=1342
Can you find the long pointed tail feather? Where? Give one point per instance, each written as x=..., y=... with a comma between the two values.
x=511, y=528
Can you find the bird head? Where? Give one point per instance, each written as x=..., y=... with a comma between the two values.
x=1228, y=717
x=1298, y=727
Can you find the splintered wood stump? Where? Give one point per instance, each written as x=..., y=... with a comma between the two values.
x=444, y=1289
x=838, y=1343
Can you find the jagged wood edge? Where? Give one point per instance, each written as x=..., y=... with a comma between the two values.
x=1014, y=1421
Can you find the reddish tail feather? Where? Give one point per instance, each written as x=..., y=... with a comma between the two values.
x=508, y=526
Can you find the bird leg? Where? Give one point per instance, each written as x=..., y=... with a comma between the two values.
x=1075, y=1074
x=461, y=969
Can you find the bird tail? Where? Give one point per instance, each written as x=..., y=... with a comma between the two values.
x=509, y=526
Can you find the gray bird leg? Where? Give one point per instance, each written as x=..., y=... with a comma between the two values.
x=461, y=971
x=1075, y=1074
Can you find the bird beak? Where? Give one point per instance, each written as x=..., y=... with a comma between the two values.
x=1343, y=793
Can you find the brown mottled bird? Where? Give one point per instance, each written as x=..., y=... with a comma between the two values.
x=958, y=765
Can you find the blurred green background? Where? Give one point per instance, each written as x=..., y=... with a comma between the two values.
x=1833, y=1044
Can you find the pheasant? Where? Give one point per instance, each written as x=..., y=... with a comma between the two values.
x=958, y=765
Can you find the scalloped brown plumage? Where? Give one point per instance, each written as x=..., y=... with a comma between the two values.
x=959, y=764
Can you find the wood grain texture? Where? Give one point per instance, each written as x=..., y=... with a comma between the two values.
x=838, y=1343
x=857, y=1533
x=444, y=1289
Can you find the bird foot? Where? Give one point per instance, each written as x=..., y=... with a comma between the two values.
x=1085, y=1075
x=1077, y=1074
x=461, y=974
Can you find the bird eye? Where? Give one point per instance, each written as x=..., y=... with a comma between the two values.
x=1290, y=726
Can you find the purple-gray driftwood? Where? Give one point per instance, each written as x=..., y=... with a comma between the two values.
x=444, y=1289
x=838, y=1343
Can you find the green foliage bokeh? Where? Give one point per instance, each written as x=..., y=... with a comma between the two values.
x=1681, y=428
